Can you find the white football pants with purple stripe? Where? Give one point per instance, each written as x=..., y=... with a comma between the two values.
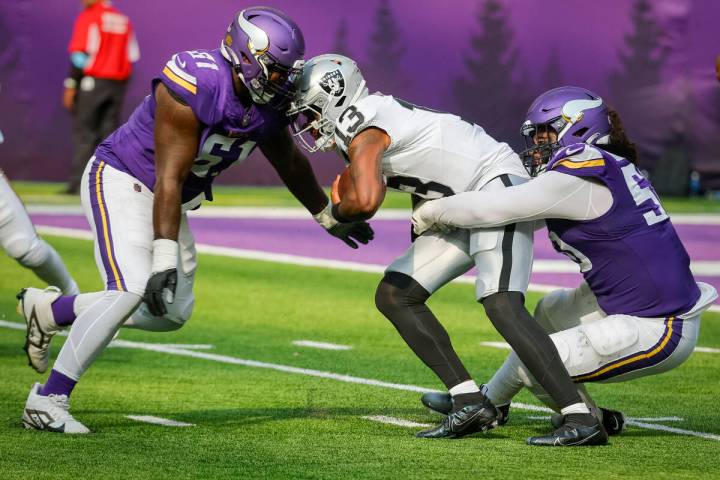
x=596, y=347
x=20, y=241
x=119, y=209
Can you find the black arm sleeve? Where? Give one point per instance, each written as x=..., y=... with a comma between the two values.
x=75, y=73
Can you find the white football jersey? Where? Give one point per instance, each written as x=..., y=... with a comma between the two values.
x=431, y=154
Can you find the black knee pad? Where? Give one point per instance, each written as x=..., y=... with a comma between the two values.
x=397, y=291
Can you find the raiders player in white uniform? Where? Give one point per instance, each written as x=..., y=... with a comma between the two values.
x=21, y=242
x=430, y=155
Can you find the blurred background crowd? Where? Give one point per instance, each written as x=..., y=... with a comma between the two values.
x=654, y=61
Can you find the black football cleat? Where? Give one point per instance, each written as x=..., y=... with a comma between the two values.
x=573, y=433
x=474, y=418
x=612, y=420
x=442, y=403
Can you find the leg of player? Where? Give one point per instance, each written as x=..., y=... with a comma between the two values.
x=21, y=242
x=503, y=258
x=432, y=261
x=120, y=217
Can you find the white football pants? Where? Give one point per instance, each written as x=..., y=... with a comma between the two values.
x=596, y=347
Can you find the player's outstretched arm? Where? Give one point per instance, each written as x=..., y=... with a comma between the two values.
x=176, y=143
x=550, y=195
x=295, y=171
x=297, y=174
x=366, y=189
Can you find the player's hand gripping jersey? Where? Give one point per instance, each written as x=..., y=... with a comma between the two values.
x=230, y=130
x=432, y=154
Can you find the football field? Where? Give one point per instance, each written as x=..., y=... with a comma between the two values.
x=253, y=403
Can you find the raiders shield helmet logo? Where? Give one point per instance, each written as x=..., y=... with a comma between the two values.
x=333, y=83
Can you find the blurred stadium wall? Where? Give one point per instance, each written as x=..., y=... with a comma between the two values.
x=487, y=59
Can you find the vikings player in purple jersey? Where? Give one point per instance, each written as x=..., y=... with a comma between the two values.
x=208, y=110
x=637, y=312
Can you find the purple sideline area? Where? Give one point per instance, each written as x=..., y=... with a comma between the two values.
x=392, y=237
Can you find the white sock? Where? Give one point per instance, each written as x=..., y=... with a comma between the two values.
x=468, y=386
x=575, y=408
x=92, y=331
x=507, y=381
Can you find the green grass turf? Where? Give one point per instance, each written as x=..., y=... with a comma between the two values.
x=226, y=196
x=257, y=423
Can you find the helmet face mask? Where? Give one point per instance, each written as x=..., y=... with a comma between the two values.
x=561, y=117
x=265, y=48
x=330, y=83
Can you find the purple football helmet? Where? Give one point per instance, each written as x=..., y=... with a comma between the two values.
x=575, y=114
x=265, y=47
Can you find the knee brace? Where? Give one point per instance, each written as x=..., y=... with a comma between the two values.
x=29, y=252
x=397, y=292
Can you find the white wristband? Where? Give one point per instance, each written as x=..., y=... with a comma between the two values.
x=325, y=218
x=165, y=255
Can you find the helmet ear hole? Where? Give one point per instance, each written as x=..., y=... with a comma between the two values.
x=341, y=101
x=580, y=132
x=245, y=58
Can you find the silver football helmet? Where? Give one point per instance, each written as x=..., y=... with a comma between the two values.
x=329, y=84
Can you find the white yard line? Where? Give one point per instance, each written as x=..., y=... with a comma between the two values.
x=656, y=419
x=188, y=346
x=707, y=350
x=165, y=422
x=396, y=421
x=320, y=345
x=341, y=378
x=501, y=345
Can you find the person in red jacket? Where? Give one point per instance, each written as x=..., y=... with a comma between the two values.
x=102, y=50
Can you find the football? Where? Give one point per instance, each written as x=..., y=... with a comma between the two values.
x=344, y=182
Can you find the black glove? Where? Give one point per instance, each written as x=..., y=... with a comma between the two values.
x=160, y=289
x=347, y=232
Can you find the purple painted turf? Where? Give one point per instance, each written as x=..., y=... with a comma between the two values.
x=392, y=237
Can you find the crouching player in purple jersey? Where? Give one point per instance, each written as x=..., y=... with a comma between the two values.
x=208, y=110
x=637, y=313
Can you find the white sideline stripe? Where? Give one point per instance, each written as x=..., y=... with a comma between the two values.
x=396, y=421
x=291, y=259
x=505, y=346
x=321, y=345
x=342, y=378
x=296, y=212
x=679, y=431
x=656, y=419
x=159, y=421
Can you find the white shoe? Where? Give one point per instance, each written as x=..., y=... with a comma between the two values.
x=34, y=306
x=50, y=413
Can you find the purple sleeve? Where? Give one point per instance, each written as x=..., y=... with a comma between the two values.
x=194, y=77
